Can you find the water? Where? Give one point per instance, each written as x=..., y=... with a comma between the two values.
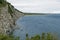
x=36, y=24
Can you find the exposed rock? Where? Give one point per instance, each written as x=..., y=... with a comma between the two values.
x=8, y=17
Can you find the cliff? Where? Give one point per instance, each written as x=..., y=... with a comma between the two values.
x=8, y=17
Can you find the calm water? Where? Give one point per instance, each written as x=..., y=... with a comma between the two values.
x=36, y=24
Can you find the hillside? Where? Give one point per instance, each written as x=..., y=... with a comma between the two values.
x=8, y=17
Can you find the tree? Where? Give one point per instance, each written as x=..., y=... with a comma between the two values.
x=43, y=36
x=27, y=38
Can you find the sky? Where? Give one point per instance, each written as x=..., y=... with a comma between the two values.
x=37, y=6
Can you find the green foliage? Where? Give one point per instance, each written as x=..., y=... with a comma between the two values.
x=26, y=35
x=37, y=37
x=17, y=38
x=44, y=36
x=3, y=3
x=8, y=37
x=10, y=9
x=49, y=36
x=27, y=38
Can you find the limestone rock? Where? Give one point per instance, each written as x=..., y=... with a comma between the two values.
x=8, y=19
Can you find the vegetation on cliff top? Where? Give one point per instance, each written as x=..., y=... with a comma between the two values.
x=2, y=3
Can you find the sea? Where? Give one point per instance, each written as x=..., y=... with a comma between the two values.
x=37, y=24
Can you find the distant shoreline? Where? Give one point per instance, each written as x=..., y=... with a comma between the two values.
x=38, y=13
x=34, y=14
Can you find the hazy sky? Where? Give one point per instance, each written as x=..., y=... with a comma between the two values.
x=40, y=6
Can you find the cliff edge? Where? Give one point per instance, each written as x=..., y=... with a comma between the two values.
x=8, y=17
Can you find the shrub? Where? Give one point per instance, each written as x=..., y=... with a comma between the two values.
x=37, y=37
x=27, y=37
x=44, y=36
x=8, y=37
x=3, y=3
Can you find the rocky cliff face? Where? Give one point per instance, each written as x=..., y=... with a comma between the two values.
x=8, y=17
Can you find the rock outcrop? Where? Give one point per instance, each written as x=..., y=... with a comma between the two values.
x=8, y=17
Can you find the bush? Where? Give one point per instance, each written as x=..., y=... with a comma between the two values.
x=8, y=37
x=27, y=38
x=37, y=37
x=3, y=3
x=44, y=36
